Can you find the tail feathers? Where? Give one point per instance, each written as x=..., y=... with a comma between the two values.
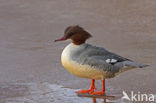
x=143, y=65
x=134, y=64
x=128, y=65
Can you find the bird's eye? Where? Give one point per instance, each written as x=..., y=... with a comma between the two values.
x=70, y=34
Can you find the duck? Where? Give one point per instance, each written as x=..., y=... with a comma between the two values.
x=87, y=61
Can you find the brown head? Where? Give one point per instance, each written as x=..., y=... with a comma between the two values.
x=76, y=33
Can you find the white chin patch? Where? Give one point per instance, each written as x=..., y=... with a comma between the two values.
x=69, y=40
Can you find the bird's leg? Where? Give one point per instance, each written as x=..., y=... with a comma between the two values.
x=92, y=87
x=102, y=90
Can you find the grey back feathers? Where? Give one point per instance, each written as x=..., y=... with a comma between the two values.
x=102, y=59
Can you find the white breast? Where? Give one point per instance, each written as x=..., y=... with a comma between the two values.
x=84, y=71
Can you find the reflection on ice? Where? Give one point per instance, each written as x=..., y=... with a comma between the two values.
x=43, y=93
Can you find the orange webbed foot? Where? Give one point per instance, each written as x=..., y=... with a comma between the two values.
x=102, y=92
x=98, y=93
x=92, y=87
x=85, y=91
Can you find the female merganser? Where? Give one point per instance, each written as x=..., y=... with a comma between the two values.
x=87, y=61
